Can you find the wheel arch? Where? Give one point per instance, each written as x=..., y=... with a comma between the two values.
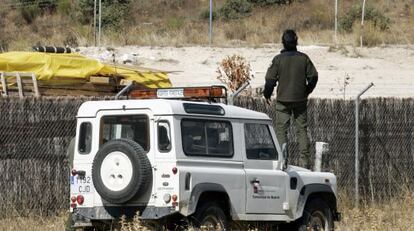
x=204, y=192
x=311, y=191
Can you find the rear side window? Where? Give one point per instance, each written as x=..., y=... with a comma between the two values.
x=164, y=136
x=259, y=142
x=85, y=138
x=132, y=127
x=207, y=138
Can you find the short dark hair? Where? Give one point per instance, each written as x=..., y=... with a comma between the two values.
x=289, y=39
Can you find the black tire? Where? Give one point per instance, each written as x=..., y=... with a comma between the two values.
x=141, y=171
x=317, y=216
x=210, y=216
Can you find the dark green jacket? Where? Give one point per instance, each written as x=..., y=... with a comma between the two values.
x=295, y=75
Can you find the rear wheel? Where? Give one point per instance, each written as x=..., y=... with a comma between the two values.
x=210, y=216
x=317, y=216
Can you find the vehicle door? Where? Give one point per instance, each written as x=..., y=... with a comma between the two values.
x=136, y=125
x=265, y=182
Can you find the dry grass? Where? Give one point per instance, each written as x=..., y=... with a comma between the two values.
x=179, y=23
x=34, y=223
x=395, y=214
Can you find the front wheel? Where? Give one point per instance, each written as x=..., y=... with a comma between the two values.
x=317, y=216
x=210, y=216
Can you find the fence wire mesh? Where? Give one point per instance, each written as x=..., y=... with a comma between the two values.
x=385, y=138
x=35, y=133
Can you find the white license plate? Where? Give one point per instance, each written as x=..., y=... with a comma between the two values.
x=78, y=185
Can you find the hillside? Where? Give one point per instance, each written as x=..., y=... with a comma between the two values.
x=185, y=22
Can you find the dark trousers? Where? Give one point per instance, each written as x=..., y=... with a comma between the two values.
x=284, y=111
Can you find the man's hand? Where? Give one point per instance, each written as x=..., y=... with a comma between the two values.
x=267, y=100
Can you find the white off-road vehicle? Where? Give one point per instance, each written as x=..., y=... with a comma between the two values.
x=206, y=163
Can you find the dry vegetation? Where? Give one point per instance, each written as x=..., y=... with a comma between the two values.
x=33, y=223
x=184, y=22
x=234, y=71
x=395, y=214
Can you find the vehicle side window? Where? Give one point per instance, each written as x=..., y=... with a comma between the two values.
x=164, y=136
x=85, y=138
x=259, y=142
x=132, y=127
x=207, y=138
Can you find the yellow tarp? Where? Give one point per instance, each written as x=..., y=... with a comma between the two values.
x=46, y=66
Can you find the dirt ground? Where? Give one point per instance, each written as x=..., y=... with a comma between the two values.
x=391, y=69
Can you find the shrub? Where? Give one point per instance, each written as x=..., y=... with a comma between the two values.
x=373, y=15
x=114, y=12
x=234, y=9
x=234, y=71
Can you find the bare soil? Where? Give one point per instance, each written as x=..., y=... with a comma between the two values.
x=343, y=71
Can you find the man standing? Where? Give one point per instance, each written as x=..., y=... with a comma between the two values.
x=296, y=77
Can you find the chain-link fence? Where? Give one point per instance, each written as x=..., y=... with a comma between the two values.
x=33, y=140
x=35, y=133
x=386, y=149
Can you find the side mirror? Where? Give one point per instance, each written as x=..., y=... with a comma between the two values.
x=285, y=156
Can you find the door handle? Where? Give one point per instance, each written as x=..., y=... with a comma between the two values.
x=255, y=181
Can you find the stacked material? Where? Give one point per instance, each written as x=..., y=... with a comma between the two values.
x=74, y=74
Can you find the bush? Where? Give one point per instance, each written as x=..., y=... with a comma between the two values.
x=378, y=19
x=234, y=9
x=114, y=12
x=234, y=71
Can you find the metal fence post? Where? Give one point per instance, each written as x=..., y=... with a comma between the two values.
x=321, y=149
x=357, y=143
x=336, y=22
x=362, y=24
x=94, y=22
x=100, y=23
x=231, y=97
x=210, y=34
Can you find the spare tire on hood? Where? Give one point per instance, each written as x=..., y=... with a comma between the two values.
x=121, y=170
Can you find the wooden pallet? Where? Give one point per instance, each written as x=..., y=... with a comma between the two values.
x=19, y=80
